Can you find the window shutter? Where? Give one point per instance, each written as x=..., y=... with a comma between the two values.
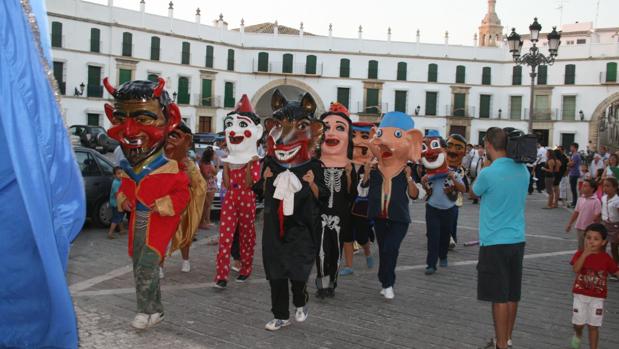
x=310, y=64
x=459, y=104
x=568, y=111
x=517, y=75
x=343, y=96
x=432, y=73
x=154, y=48
x=185, y=53
x=611, y=72
x=230, y=59
x=209, y=57
x=515, y=107
x=229, y=95
x=94, y=88
x=431, y=98
x=401, y=71
x=373, y=69
x=124, y=75
x=127, y=44
x=287, y=63
x=207, y=94
x=95, y=40
x=56, y=34
x=486, y=76
x=542, y=75
x=263, y=61
x=570, y=74
x=371, y=101
x=460, y=74
x=153, y=77
x=400, y=101
x=484, y=106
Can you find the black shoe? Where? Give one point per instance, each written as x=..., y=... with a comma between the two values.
x=221, y=284
x=320, y=293
x=242, y=278
x=475, y=201
x=330, y=293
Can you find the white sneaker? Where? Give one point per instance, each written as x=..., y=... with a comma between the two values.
x=186, y=266
x=382, y=291
x=301, y=314
x=154, y=319
x=140, y=321
x=276, y=324
x=161, y=274
x=389, y=293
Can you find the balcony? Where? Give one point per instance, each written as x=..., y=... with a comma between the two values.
x=62, y=86
x=292, y=69
x=607, y=77
x=94, y=91
x=371, y=109
x=466, y=112
x=127, y=49
x=211, y=101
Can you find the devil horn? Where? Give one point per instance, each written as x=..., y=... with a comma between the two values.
x=159, y=88
x=109, y=87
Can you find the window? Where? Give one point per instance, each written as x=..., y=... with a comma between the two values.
x=154, y=48
x=570, y=74
x=460, y=74
x=230, y=59
x=373, y=69
x=542, y=75
x=581, y=41
x=344, y=68
x=183, y=90
x=484, y=106
x=431, y=98
x=486, y=76
x=459, y=104
x=88, y=165
x=371, y=101
x=400, y=101
x=263, y=61
x=95, y=40
x=207, y=93
x=204, y=124
x=209, y=57
x=310, y=65
x=517, y=75
x=481, y=136
x=124, y=75
x=515, y=107
x=567, y=139
x=93, y=119
x=611, y=72
x=541, y=108
x=56, y=34
x=229, y=95
x=94, y=88
x=401, y=71
x=59, y=76
x=432, y=73
x=343, y=96
x=287, y=63
x=185, y=52
x=153, y=77
x=568, y=110
x=127, y=44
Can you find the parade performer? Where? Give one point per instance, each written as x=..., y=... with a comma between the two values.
x=154, y=188
x=340, y=180
x=394, y=143
x=293, y=186
x=238, y=208
x=456, y=150
x=362, y=229
x=176, y=148
x=440, y=183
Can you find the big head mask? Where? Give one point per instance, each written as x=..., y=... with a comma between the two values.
x=142, y=116
x=336, y=149
x=434, y=155
x=361, y=142
x=243, y=130
x=456, y=149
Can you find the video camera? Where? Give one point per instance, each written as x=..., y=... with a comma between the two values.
x=521, y=147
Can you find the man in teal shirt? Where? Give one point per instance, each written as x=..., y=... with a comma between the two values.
x=502, y=187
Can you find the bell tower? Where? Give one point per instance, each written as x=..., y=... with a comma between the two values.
x=491, y=30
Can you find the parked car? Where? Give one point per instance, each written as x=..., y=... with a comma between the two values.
x=93, y=137
x=97, y=172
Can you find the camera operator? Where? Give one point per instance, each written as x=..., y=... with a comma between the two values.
x=502, y=187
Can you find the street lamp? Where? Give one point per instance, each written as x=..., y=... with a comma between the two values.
x=534, y=58
x=174, y=96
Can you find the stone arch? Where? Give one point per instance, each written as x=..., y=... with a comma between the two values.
x=598, y=114
x=292, y=84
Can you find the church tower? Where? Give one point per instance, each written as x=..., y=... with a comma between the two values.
x=491, y=30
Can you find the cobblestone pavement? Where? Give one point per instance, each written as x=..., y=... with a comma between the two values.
x=439, y=311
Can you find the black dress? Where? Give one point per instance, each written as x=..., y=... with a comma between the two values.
x=291, y=254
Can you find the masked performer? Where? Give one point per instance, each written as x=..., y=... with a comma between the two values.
x=456, y=150
x=394, y=143
x=440, y=183
x=339, y=178
x=293, y=187
x=176, y=148
x=238, y=209
x=153, y=188
x=362, y=229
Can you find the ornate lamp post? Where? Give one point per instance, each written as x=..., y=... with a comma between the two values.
x=534, y=58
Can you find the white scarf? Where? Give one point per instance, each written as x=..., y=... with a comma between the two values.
x=286, y=185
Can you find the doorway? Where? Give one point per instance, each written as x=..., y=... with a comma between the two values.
x=542, y=137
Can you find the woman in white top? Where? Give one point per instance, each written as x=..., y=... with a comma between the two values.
x=612, y=168
x=610, y=215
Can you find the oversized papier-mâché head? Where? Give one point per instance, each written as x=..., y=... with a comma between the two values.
x=434, y=155
x=456, y=149
x=294, y=134
x=178, y=143
x=336, y=149
x=395, y=142
x=361, y=153
x=243, y=131
x=142, y=116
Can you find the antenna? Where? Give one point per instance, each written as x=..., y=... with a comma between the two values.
x=597, y=14
x=560, y=8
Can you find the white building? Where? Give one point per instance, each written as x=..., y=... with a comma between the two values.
x=452, y=88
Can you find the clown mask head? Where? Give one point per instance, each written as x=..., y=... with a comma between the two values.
x=456, y=149
x=178, y=143
x=243, y=130
x=395, y=142
x=294, y=135
x=361, y=153
x=434, y=155
x=336, y=150
x=142, y=116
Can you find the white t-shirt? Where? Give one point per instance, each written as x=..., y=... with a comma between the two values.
x=610, y=208
x=541, y=155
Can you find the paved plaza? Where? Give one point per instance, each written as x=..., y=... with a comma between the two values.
x=439, y=311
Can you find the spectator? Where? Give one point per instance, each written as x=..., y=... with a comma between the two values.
x=564, y=181
x=502, y=187
x=117, y=215
x=551, y=170
x=588, y=211
x=475, y=167
x=540, y=162
x=610, y=215
x=604, y=154
x=612, y=168
x=596, y=164
x=574, y=172
x=209, y=172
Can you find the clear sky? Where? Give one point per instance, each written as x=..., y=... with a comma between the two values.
x=432, y=17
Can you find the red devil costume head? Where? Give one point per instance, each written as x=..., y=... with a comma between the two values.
x=434, y=155
x=336, y=150
x=142, y=116
x=294, y=135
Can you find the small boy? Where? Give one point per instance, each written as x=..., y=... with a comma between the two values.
x=592, y=266
x=588, y=210
x=117, y=216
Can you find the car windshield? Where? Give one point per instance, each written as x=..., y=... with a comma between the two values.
x=97, y=130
